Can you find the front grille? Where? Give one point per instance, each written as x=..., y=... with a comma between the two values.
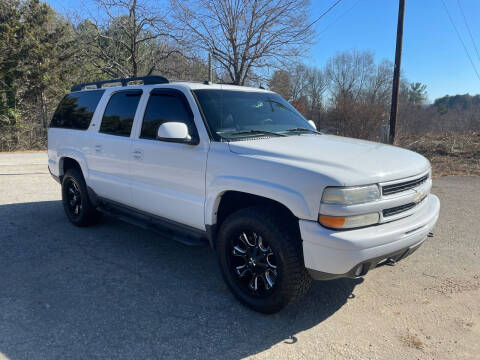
x=403, y=186
x=398, y=209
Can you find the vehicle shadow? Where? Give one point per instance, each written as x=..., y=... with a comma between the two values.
x=117, y=291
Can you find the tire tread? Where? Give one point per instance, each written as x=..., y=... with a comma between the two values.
x=298, y=279
x=91, y=215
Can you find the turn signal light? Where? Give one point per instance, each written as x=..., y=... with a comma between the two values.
x=332, y=221
x=349, y=222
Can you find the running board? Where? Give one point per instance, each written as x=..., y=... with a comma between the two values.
x=168, y=230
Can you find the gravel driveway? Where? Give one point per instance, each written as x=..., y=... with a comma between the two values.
x=115, y=291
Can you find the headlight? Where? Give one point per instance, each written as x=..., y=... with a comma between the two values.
x=350, y=195
x=349, y=222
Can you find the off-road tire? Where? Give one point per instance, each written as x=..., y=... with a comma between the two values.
x=293, y=280
x=74, y=187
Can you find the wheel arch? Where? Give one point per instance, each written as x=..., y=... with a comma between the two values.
x=286, y=197
x=230, y=201
x=72, y=159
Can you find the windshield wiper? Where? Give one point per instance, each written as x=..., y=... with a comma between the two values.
x=255, y=132
x=300, y=129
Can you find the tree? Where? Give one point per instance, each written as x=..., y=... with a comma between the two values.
x=12, y=34
x=49, y=47
x=465, y=101
x=280, y=83
x=128, y=41
x=245, y=36
x=304, y=87
x=298, y=82
x=349, y=75
x=34, y=50
x=315, y=90
x=360, y=93
x=417, y=93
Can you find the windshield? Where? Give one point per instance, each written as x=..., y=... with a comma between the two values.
x=240, y=114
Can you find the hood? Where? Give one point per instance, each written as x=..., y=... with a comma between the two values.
x=348, y=161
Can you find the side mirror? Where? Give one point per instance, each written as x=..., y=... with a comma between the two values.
x=174, y=132
x=311, y=122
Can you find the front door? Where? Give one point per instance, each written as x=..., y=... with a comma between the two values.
x=168, y=178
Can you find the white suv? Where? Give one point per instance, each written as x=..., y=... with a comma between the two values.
x=241, y=169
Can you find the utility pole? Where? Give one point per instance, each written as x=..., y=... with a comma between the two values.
x=396, y=71
x=210, y=71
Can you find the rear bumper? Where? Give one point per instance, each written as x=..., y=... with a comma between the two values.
x=332, y=254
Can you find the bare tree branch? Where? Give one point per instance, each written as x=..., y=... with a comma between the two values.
x=245, y=35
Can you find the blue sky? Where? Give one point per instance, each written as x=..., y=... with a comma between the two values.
x=432, y=53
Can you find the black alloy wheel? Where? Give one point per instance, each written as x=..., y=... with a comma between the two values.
x=76, y=202
x=252, y=261
x=261, y=258
x=74, y=198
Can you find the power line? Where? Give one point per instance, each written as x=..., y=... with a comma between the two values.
x=469, y=31
x=339, y=17
x=325, y=13
x=461, y=40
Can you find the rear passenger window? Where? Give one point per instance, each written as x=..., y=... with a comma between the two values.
x=119, y=113
x=76, y=110
x=165, y=107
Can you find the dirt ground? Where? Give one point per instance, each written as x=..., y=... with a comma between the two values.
x=114, y=291
x=451, y=153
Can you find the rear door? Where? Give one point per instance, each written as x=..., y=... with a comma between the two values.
x=168, y=178
x=109, y=162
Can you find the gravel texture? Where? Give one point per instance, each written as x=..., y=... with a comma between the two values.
x=114, y=291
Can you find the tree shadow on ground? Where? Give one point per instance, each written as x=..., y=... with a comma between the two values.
x=117, y=291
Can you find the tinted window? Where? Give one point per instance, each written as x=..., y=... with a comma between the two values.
x=162, y=108
x=231, y=113
x=76, y=110
x=119, y=113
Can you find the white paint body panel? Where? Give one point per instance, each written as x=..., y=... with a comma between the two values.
x=349, y=161
x=169, y=181
x=109, y=167
x=185, y=183
x=337, y=252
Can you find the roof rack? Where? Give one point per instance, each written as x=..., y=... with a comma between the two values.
x=147, y=80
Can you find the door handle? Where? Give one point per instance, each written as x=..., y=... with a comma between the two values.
x=98, y=148
x=138, y=154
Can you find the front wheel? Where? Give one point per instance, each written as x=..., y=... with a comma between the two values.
x=261, y=259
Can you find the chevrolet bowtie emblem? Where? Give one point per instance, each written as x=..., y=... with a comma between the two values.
x=418, y=196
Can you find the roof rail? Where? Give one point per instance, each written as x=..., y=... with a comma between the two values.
x=147, y=80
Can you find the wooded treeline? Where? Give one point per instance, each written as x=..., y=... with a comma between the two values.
x=351, y=96
x=261, y=42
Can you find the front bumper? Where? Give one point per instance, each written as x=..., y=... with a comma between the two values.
x=330, y=254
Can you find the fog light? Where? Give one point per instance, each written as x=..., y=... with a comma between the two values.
x=349, y=222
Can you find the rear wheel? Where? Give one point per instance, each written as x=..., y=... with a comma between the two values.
x=261, y=259
x=76, y=203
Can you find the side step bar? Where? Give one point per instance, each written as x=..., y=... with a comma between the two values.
x=167, y=229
